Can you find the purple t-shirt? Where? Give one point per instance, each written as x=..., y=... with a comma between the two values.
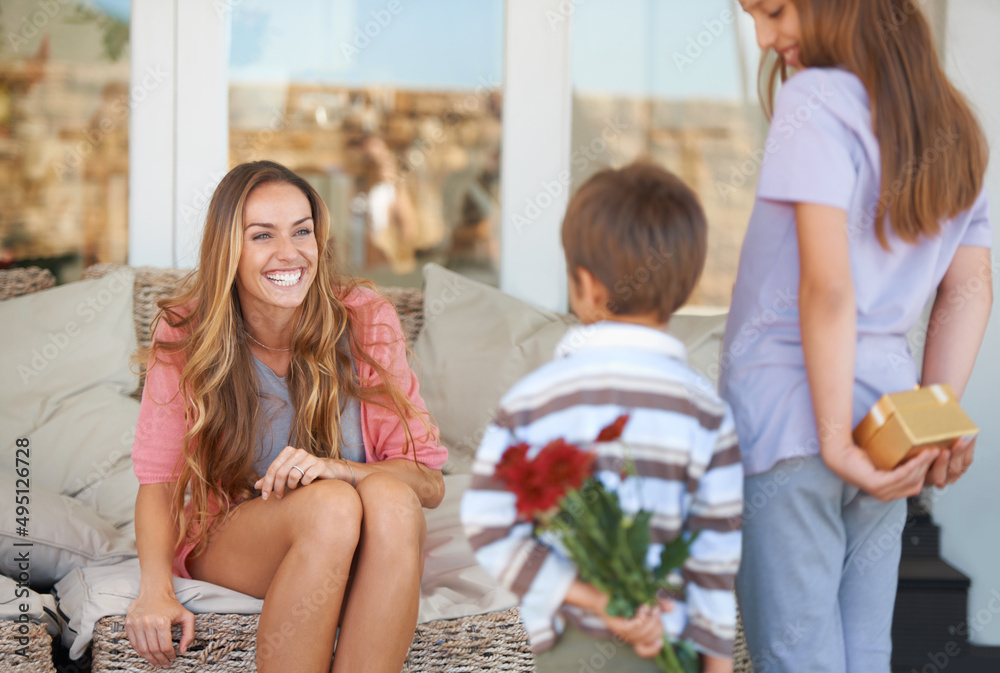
x=821, y=149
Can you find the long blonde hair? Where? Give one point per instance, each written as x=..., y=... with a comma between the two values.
x=218, y=381
x=888, y=44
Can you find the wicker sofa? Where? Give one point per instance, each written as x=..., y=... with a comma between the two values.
x=493, y=641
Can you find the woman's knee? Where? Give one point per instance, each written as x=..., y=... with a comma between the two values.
x=392, y=511
x=325, y=511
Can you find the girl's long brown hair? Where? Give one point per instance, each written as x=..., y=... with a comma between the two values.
x=933, y=151
x=218, y=380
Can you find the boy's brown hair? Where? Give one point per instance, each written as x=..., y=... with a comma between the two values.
x=641, y=232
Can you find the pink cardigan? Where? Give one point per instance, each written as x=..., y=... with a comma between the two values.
x=161, y=424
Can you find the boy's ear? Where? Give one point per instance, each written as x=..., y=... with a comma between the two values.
x=593, y=294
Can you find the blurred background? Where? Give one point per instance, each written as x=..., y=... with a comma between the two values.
x=394, y=113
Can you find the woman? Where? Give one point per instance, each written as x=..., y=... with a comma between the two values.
x=269, y=374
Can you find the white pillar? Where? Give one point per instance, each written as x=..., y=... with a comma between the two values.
x=535, y=171
x=151, y=133
x=179, y=131
x=202, y=119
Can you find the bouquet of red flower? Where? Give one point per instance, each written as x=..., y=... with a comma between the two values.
x=557, y=490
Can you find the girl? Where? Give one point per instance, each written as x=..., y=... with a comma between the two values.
x=870, y=201
x=270, y=375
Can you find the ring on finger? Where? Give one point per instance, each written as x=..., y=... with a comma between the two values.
x=301, y=471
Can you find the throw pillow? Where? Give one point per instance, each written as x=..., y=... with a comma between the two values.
x=64, y=357
x=701, y=330
x=64, y=534
x=41, y=607
x=475, y=344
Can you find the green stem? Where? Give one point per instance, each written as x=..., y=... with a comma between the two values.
x=667, y=660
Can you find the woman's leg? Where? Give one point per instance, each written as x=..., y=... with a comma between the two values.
x=789, y=577
x=382, y=602
x=295, y=553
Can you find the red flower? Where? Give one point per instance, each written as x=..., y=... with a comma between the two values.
x=513, y=463
x=535, y=495
x=540, y=484
x=613, y=431
x=564, y=465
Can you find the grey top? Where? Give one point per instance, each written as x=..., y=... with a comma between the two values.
x=277, y=418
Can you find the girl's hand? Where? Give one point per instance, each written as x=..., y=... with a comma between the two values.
x=147, y=625
x=854, y=466
x=294, y=468
x=951, y=464
x=644, y=631
x=961, y=459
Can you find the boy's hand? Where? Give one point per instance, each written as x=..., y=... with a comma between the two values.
x=644, y=631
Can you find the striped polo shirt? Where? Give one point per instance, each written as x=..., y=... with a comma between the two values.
x=682, y=439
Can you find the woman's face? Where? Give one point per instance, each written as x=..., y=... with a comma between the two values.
x=278, y=263
x=778, y=28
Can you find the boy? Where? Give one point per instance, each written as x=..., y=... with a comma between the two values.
x=635, y=242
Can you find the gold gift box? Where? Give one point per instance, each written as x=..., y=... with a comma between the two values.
x=901, y=425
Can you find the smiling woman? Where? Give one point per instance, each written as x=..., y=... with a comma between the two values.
x=278, y=263
x=270, y=374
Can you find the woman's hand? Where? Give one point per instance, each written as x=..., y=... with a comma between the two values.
x=147, y=625
x=853, y=465
x=951, y=463
x=297, y=467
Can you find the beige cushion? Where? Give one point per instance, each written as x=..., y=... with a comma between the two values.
x=475, y=344
x=64, y=358
x=112, y=494
x=701, y=330
x=41, y=608
x=454, y=584
x=64, y=534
